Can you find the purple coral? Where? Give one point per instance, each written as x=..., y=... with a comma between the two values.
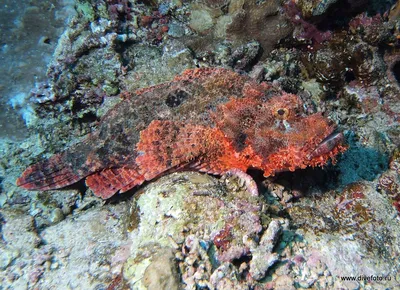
x=308, y=31
x=119, y=9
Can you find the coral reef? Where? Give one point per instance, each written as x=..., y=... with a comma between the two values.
x=389, y=181
x=305, y=30
x=257, y=20
x=349, y=224
x=336, y=227
x=241, y=22
x=214, y=248
x=208, y=227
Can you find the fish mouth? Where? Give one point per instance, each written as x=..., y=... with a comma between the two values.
x=327, y=145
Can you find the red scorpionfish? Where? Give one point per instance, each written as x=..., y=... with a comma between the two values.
x=211, y=120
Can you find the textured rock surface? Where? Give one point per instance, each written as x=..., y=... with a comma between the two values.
x=193, y=230
x=162, y=272
x=80, y=252
x=204, y=223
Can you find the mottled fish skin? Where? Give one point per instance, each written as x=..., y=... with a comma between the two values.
x=211, y=120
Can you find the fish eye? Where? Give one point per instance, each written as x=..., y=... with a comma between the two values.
x=282, y=113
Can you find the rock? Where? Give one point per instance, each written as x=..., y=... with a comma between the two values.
x=51, y=207
x=263, y=258
x=162, y=272
x=284, y=282
x=356, y=232
x=56, y=216
x=176, y=30
x=7, y=256
x=19, y=231
x=188, y=211
x=151, y=65
x=245, y=56
x=201, y=20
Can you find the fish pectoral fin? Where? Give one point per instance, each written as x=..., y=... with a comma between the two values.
x=109, y=181
x=52, y=173
x=166, y=146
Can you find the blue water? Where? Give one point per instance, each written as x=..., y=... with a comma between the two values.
x=29, y=31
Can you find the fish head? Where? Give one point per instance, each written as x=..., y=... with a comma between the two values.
x=279, y=133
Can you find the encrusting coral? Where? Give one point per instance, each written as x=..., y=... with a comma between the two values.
x=211, y=120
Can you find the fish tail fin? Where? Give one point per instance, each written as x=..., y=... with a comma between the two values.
x=52, y=173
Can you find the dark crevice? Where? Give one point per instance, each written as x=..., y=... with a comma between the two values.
x=176, y=98
x=241, y=260
x=121, y=48
x=396, y=71
x=349, y=76
x=339, y=14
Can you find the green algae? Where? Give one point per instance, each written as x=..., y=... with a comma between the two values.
x=86, y=10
